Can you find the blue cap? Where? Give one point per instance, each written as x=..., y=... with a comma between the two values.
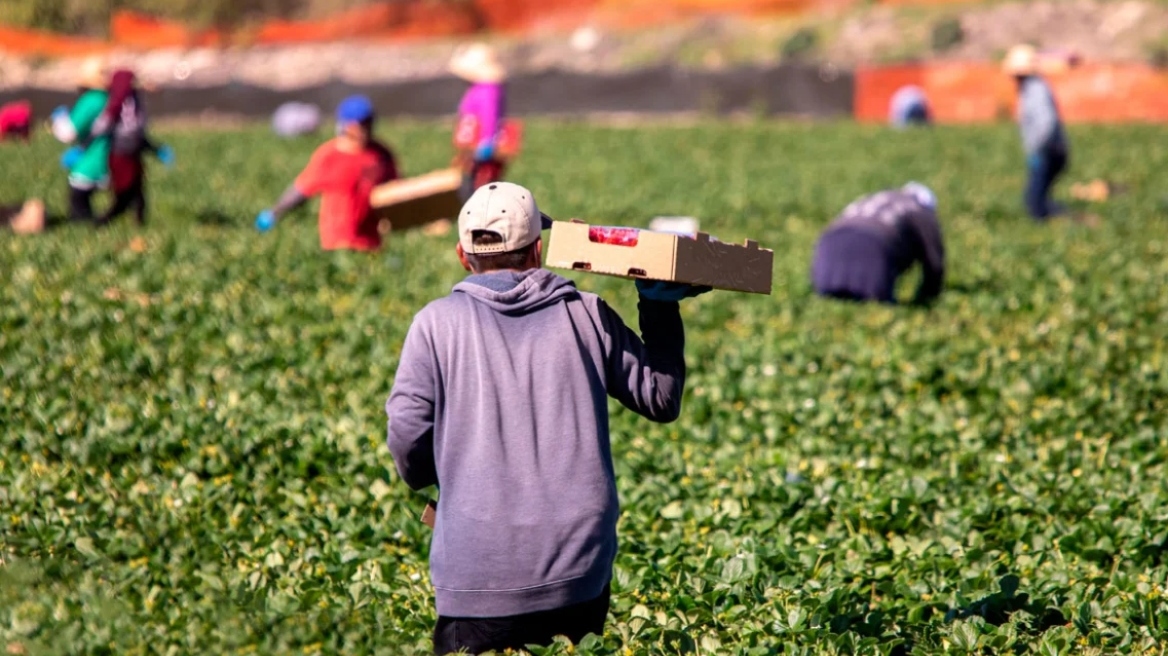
x=355, y=109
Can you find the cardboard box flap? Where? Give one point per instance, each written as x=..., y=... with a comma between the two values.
x=710, y=262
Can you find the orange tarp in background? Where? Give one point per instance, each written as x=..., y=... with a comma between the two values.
x=1112, y=92
x=749, y=7
x=973, y=92
x=921, y=2
x=512, y=15
x=47, y=44
x=140, y=32
x=415, y=18
x=957, y=92
x=431, y=19
x=874, y=88
x=968, y=93
x=359, y=22
x=383, y=20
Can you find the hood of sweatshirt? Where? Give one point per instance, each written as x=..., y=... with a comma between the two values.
x=516, y=292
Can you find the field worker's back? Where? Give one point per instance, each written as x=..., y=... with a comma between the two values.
x=500, y=399
x=1038, y=118
x=876, y=239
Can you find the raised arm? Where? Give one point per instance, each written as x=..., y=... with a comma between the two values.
x=647, y=374
x=307, y=184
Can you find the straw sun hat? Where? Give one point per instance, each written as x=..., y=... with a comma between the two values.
x=478, y=63
x=1021, y=60
x=92, y=73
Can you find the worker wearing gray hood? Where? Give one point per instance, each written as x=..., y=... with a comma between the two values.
x=500, y=400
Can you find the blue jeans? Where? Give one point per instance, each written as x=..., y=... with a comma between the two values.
x=1043, y=172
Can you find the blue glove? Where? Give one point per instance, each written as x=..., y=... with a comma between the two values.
x=485, y=152
x=59, y=113
x=1034, y=161
x=265, y=221
x=72, y=157
x=668, y=292
x=166, y=155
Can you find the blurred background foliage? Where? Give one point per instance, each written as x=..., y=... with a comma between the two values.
x=92, y=17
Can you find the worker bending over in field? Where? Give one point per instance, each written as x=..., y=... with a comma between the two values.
x=909, y=107
x=1043, y=137
x=124, y=122
x=876, y=239
x=500, y=401
x=344, y=172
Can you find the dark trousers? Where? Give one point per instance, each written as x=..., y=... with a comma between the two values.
x=478, y=634
x=1042, y=177
x=128, y=181
x=80, y=204
x=132, y=198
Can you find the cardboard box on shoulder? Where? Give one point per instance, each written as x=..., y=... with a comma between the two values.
x=636, y=253
x=411, y=202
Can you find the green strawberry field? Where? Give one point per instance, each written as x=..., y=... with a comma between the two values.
x=192, y=455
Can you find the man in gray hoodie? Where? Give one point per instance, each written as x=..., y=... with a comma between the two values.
x=1043, y=136
x=500, y=400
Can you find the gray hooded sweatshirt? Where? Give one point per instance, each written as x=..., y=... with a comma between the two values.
x=500, y=399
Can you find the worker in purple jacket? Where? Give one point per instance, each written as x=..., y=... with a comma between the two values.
x=876, y=239
x=484, y=105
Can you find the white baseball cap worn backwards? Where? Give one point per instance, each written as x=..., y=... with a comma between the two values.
x=505, y=209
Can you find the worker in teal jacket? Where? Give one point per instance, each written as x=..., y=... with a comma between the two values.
x=1043, y=136
x=88, y=165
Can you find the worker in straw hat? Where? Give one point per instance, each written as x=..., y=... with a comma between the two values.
x=88, y=165
x=1043, y=136
x=481, y=115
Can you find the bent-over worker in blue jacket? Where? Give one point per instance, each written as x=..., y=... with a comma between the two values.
x=500, y=400
x=876, y=239
x=1043, y=136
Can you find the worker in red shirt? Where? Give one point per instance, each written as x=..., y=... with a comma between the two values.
x=343, y=172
